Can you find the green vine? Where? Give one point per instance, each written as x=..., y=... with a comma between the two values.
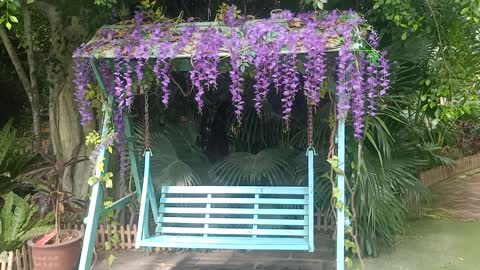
x=95, y=139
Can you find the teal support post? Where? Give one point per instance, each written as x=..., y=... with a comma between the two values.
x=119, y=203
x=152, y=196
x=311, y=203
x=96, y=199
x=142, y=232
x=341, y=187
x=134, y=160
x=96, y=204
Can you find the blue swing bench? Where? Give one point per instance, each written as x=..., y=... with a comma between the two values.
x=233, y=217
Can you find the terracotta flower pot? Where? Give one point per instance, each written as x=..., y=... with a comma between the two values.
x=62, y=256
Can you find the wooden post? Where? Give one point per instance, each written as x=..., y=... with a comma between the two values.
x=10, y=261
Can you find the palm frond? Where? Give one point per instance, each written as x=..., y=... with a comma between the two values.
x=180, y=164
x=14, y=159
x=259, y=132
x=268, y=167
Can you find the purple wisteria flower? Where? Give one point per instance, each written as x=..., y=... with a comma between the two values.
x=262, y=38
x=268, y=46
x=81, y=80
x=205, y=63
x=384, y=73
x=347, y=66
x=358, y=97
x=165, y=54
x=283, y=15
x=289, y=76
x=235, y=45
x=229, y=18
x=315, y=66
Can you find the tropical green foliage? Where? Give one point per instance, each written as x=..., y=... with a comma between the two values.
x=443, y=41
x=19, y=222
x=13, y=157
x=176, y=159
x=267, y=167
x=385, y=183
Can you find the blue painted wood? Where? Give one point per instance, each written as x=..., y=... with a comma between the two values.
x=96, y=200
x=255, y=217
x=151, y=195
x=133, y=156
x=206, y=212
x=247, y=243
x=232, y=211
x=234, y=190
x=233, y=221
x=311, y=180
x=237, y=240
x=231, y=231
x=340, y=251
x=207, y=216
x=119, y=203
x=221, y=215
x=142, y=232
x=196, y=200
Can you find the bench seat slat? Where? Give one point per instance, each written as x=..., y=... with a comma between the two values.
x=249, y=243
x=214, y=231
x=238, y=211
x=199, y=217
x=185, y=220
x=234, y=190
x=234, y=201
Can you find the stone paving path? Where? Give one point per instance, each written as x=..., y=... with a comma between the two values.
x=459, y=197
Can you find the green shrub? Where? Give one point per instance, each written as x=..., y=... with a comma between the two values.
x=13, y=157
x=19, y=222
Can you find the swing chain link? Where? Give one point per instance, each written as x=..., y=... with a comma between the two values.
x=310, y=125
x=147, y=122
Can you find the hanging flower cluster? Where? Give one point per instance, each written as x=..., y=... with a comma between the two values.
x=82, y=77
x=262, y=38
x=237, y=61
x=205, y=63
x=315, y=66
x=289, y=75
x=269, y=49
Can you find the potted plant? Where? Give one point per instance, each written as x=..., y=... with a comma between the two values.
x=60, y=249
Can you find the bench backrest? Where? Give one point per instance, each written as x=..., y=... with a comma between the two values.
x=234, y=211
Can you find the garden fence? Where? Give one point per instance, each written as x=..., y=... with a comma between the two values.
x=440, y=173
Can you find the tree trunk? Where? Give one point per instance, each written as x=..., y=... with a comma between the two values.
x=66, y=133
x=32, y=65
x=30, y=88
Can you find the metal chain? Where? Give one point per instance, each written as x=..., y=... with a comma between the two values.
x=310, y=125
x=147, y=122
